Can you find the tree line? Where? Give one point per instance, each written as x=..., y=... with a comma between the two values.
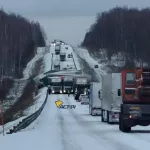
x=19, y=39
x=121, y=29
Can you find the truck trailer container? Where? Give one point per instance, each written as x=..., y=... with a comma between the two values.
x=57, y=49
x=57, y=66
x=111, y=102
x=94, y=99
x=62, y=56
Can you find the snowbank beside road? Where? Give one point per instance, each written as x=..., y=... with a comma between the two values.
x=39, y=100
x=47, y=62
x=10, y=125
x=19, y=85
x=30, y=66
x=84, y=54
x=75, y=59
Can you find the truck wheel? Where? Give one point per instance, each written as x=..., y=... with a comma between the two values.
x=120, y=122
x=102, y=117
x=92, y=113
x=122, y=126
x=49, y=92
x=107, y=116
x=90, y=110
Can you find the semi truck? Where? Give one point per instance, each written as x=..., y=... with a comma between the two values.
x=56, y=85
x=57, y=66
x=68, y=85
x=80, y=86
x=111, y=101
x=135, y=92
x=58, y=42
x=57, y=49
x=62, y=56
x=95, y=99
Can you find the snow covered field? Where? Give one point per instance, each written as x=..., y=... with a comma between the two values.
x=66, y=129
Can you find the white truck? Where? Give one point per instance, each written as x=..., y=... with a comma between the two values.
x=68, y=85
x=80, y=86
x=111, y=83
x=57, y=49
x=58, y=42
x=62, y=56
x=56, y=85
x=94, y=99
x=57, y=66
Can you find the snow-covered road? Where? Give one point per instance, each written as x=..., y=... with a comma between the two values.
x=66, y=129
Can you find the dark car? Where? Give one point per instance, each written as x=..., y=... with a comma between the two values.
x=96, y=66
x=69, y=56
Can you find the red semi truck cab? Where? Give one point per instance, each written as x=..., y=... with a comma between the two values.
x=135, y=107
x=136, y=86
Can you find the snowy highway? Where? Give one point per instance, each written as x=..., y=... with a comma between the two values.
x=66, y=129
x=74, y=129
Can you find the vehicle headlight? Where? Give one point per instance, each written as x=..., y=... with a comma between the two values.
x=60, y=91
x=64, y=90
x=52, y=91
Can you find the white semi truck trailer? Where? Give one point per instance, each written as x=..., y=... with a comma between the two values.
x=111, y=102
x=62, y=56
x=94, y=99
x=57, y=49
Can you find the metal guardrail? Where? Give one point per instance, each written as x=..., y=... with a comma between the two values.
x=8, y=127
x=27, y=121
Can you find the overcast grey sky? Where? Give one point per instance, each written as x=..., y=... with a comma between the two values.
x=66, y=19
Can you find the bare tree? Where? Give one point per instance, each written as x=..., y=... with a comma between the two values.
x=121, y=29
x=18, y=40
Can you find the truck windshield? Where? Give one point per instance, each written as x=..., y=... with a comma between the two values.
x=68, y=83
x=56, y=83
x=130, y=78
x=68, y=88
x=57, y=88
x=130, y=91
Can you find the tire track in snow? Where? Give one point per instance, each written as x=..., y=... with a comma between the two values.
x=99, y=135
x=67, y=142
x=82, y=138
x=141, y=135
